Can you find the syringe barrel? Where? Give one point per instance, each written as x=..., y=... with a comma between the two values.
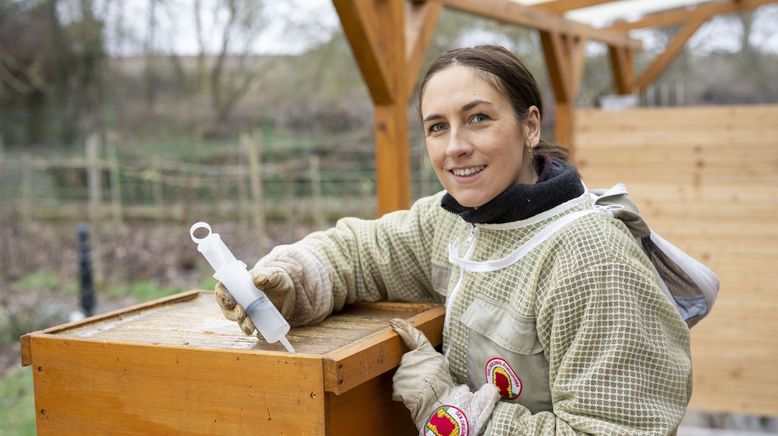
x=266, y=318
x=232, y=273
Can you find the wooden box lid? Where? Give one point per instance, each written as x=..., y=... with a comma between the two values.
x=355, y=344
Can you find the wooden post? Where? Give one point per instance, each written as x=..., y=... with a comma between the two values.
x=389, y=59
x=24, y=198
x=187, y=204
x=116, y=190
x=291, y=219
x=621, y=63
x=425, y=170
x=564, y=59
x=94, y=173
x=156, y=187
x=243, y=174
x=253, y=146
x=93, y=178
x=317, y=212
x=391, y=117
x=2, y=182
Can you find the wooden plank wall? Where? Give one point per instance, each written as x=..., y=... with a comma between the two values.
x=706, y=178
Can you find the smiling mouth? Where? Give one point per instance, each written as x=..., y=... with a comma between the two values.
x=464, y=172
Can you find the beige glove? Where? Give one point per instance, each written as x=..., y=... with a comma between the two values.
x=274, y=282
x=424, y=384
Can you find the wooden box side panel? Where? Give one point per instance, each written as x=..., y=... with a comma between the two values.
x=88, y=387
x=368, y=409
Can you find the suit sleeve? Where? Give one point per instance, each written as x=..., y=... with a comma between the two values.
x=362, y=260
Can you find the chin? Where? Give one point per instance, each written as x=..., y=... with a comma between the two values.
x=469, y=200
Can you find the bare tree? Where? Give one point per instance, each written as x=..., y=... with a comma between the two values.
x=226, y=66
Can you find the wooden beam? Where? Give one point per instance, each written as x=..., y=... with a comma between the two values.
x=564, y=60
x=564, y=56
x=576, y=47
x=671, y=51
x=558, y=65
x=562, y=6
x=527, y=16
x=421, y=19
x=676, y=16
x=621, y=62
x=361, y=26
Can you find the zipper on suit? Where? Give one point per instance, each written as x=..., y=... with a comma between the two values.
x=471, y=243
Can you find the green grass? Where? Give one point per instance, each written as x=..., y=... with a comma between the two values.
x=45, y=281
x=207, y=284
x=142, y=290
x=17, y=403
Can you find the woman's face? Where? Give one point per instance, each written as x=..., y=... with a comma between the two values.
x=477, y=145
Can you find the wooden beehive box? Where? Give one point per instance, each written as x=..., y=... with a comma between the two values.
x=175, y=366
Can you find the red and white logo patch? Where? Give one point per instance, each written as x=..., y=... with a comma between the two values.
x=500, y=374
x=447, y=420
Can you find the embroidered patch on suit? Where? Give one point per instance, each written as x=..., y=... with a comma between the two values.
x=447, y=420
x=500, y=374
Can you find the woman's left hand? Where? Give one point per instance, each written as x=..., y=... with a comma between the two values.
x=424, y=384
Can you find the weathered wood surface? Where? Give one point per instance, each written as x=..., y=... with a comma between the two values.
x=198, y=323
x=706, y=179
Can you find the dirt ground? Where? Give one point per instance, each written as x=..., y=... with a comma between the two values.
x=39, y=268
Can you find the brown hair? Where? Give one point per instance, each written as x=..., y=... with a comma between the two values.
x=507, y=74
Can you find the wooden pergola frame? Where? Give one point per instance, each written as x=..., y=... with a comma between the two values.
x=390, y=61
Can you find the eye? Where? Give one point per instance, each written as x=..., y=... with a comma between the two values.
x=479, y=118
x=437, y=127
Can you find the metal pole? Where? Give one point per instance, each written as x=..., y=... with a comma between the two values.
x=87, y=290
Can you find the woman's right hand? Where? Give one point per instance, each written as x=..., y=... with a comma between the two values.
x=273, y=281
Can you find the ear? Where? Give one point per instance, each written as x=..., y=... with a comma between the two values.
x=532, y=126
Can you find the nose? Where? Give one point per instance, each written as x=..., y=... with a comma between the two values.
x=458, y=144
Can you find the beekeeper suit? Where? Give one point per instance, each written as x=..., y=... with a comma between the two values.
x=555, y=320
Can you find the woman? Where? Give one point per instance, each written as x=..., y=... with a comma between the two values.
x=555, y=320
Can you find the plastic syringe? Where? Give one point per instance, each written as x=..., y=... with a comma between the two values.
x=233, y=274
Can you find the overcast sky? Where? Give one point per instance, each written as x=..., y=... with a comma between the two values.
x=314, y=20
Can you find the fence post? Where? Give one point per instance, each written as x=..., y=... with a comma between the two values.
x=289, y=200
x=317, y=213
x=26, y=167
x=253, y=146
x=94, y=182
x=93, y=177
x=116, y=189
x=241, y=180
x=156, y=187
x=2, y=182
x=424, y=176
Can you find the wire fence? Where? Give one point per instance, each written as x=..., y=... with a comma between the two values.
x=104, y=187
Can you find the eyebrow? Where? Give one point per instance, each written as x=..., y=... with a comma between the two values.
x=464, y=108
